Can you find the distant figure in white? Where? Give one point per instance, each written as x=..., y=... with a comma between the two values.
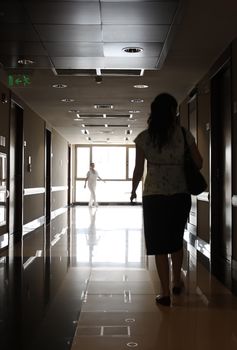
x=92, y=177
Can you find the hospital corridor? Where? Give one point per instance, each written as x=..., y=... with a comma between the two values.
x=102, y=105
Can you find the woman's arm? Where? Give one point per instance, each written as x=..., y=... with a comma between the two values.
x=138, y=171
x=100, y=178
x=85, y=181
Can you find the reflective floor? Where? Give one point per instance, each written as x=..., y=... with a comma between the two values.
x=96, y=289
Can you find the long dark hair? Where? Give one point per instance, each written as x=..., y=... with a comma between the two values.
x=162, y=119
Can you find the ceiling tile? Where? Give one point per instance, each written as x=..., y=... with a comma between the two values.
x=13, y=12
x=78, y=49
x=134, y=33
x=18, y=31
x=132, y=63
x=25, y=48
x=133, y=0
x=75, y=32
x=138, y=13
x=33, y=1
x=64, y=12
x=78, y=62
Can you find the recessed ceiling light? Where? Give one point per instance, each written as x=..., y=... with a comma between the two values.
x=141, y=86
x=74, y=111
x=132, y=49
x=137, y=100
x=98, y=79
x=25, y=61
x=67, y=100
x=85, y=132
x=59, y=86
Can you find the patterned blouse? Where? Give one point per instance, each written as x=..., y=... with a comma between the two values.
x=165, y=168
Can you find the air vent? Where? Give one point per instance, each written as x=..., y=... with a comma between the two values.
x=107, y=126
x=85, y=116
x=104, y=116
x=111, y=116
x=118, y=126
x=100, y=141
x=122, y=72
x=94, y=125
x=103, y=106
x=74, y=72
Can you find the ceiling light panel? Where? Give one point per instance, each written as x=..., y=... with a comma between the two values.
x=140, y=86
x=67, y=100
x=59, y=86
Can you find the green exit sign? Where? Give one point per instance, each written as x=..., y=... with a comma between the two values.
x=18, y=80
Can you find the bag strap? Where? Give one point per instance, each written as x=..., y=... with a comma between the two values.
x=184, y=135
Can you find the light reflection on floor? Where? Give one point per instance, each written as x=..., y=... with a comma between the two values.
x=109, y=236
x=119, y=310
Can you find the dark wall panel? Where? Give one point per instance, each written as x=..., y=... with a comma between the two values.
x=4, y=149
x=203, y=220
x=59, y=160
x=33, y=207
x=234, y=147
x=203, y=138
x=4, y=112
x=34, y=136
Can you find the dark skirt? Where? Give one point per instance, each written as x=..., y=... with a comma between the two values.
x=165, y=218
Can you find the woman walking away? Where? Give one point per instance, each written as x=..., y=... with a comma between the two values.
x=166, y=201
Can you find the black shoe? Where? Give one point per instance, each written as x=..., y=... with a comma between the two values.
x=163, y=300
x=177, y=290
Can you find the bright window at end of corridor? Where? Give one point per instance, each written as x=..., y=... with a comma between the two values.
x=114, y=164
x=110, y=162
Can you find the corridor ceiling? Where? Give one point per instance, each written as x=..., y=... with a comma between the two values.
x=91, y=68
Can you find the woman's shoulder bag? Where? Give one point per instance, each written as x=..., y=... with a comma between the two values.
x=196, y=182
